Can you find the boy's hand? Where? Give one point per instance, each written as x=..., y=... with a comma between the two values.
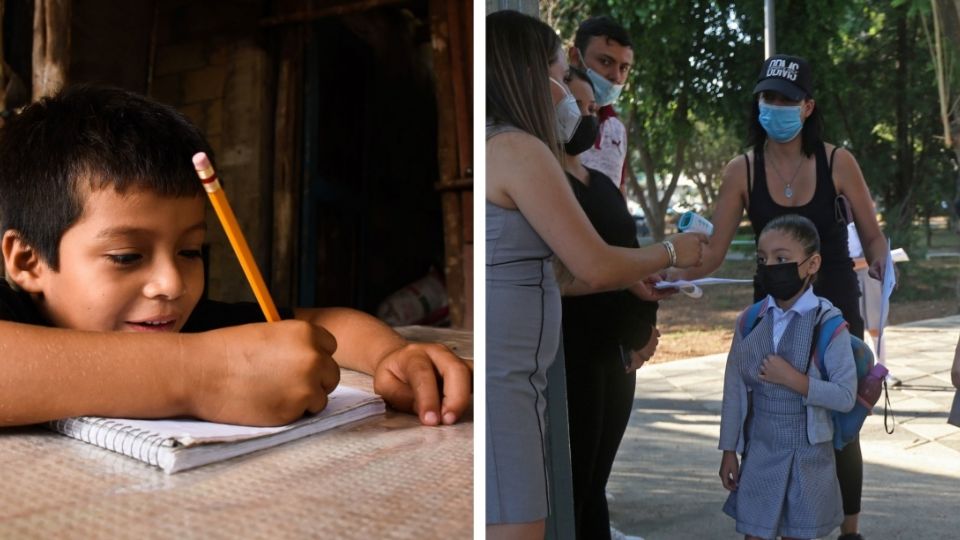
x=413, y=377
x=262, y=374
x=729, y=470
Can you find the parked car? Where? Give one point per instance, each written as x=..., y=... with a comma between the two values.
x=643, y=230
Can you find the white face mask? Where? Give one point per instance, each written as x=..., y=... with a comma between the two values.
x=568, y=114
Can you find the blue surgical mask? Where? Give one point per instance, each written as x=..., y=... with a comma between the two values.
x=781, y=122
x=568, y=114
x=604, y=91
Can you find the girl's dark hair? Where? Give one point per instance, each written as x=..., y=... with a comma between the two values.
x=810, y=137
x=800, y=228
x=84, y=139
x=520, y=50
x=581, y=74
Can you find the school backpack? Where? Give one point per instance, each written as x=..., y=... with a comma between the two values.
x=870, y=376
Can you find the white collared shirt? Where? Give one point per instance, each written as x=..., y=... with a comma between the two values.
x=781, y=319
x=609, y=158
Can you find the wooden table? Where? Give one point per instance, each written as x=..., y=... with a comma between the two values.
x=387, y=477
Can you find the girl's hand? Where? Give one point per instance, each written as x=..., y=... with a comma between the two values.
x=729, y=470
x=776, y=370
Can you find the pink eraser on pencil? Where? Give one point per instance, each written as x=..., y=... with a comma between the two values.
x=201, y=161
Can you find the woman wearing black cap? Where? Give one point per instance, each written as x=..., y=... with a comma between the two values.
x=791, y=170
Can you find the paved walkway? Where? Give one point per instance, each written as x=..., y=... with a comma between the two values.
x=665, y=484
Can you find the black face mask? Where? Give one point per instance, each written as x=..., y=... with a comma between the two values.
x=781, y=281
x=584, y=137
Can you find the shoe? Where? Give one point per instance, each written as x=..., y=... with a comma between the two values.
x=891, y=381
x=617, y=535
x=851, y=536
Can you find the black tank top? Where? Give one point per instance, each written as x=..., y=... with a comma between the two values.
x=821, y=210
x=836, y=280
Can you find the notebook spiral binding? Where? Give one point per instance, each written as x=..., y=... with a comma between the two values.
x=106, y=433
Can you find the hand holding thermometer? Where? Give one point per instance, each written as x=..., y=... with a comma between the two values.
x=694, y=222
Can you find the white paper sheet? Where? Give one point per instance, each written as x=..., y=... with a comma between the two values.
x=888, y=284
x=692, y=288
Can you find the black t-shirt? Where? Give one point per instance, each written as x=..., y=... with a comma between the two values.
x=608, y=319
x=17, y=306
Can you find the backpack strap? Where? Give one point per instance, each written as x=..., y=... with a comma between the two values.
x=830, y=329
x=751, y=318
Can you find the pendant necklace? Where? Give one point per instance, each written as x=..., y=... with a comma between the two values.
x=788, y=190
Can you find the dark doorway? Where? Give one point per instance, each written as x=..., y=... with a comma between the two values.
x=371, y=219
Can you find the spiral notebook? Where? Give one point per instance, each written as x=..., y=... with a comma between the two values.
x=178, y=445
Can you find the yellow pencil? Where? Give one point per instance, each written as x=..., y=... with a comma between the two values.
x=220, y=205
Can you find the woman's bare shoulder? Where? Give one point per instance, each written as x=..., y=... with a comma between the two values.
x=520, y=149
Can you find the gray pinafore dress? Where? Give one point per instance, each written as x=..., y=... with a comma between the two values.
x=523, y=337
x=787, y=486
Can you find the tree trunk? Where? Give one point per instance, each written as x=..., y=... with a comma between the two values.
x=654, y=206
x=51, y=46
x=899, y=196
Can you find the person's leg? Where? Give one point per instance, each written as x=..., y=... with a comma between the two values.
x=618, y=393
x=850, y=474
x=517, y=531
x=849, y=460
x=584, y=416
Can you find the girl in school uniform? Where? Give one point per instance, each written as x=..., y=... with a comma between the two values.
x=777, y=410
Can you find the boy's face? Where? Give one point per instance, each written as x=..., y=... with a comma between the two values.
x=131, y=263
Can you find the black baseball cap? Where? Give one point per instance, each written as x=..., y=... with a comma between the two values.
x=787, y=75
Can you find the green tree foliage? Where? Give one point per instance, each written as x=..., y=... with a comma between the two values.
x=693, y=58
x=697, y=61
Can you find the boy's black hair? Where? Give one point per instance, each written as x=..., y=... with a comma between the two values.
x=800, y=228
x=600, y=26
x=89, y=138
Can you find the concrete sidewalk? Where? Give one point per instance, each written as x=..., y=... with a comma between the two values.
x=665, y=484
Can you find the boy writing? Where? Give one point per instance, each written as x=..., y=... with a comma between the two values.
x=102, y=220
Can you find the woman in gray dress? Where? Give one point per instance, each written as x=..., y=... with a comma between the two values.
x=776, y=408
x=531, y=215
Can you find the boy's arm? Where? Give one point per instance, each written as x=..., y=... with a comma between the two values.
x=256, y=374
x=410, y=376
